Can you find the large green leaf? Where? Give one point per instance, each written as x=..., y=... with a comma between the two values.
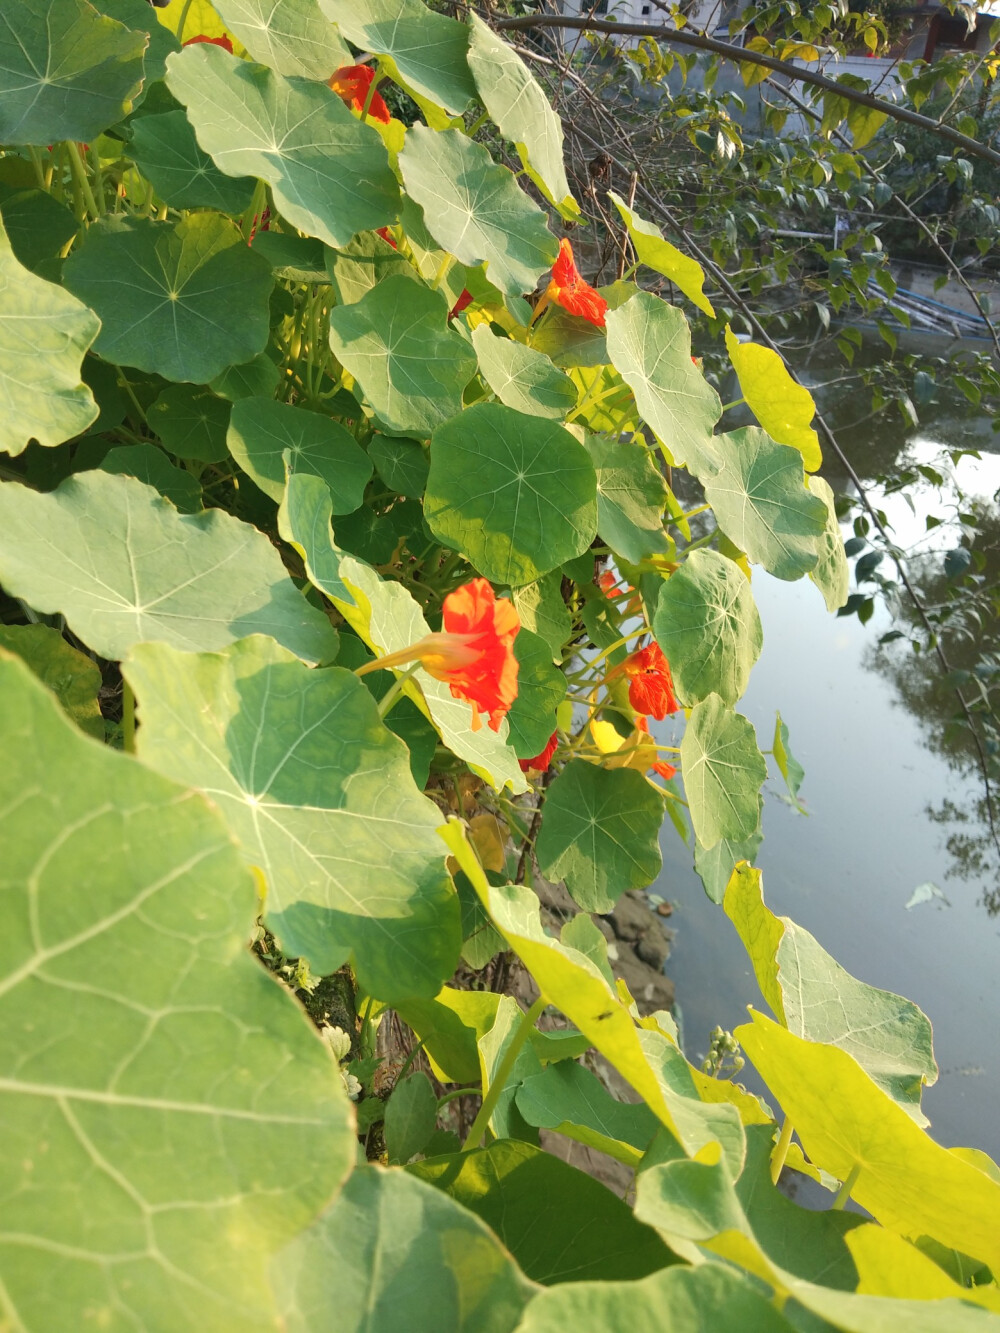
x=44, y=336
x=387, y=617
x=658, y=254
x=541, y=688
x=191, y=422
x=831, y=574
x=66, y=72
x=600, y=832
x=475, y=209
x=521, y=377
x=394, y=1252
x=542, y=610
x=148, y=463
x=183, y=300
x=649, y=344
x=355, y=268
x=37, y=225
x=814, y=997
x=723, y=773
x=709, y=1299
x=847, y=1123
x=319, y=795
x=521, y=112
x=72, y=677
x=396, y=343
x=153, y=1157
x=516, y=494
x=328, y=173
x=291, y=36
x=140, y=16
x=631, y=495
x=569, y=1099
x=560, y=1224
x=123, y=566
x=401, y=464
x=260, y=432
x=714, y=865
x=760, y=499
x=706, y=622
x=428, y=50
x=165, y=150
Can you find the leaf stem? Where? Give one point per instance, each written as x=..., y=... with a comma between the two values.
x=395, y=690
x=781, y=1150
x=80, y=175
x=482, y=1120
x=844, y=1192
x=456, y=1093
x=182, y=20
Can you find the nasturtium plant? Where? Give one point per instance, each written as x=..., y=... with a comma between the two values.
x=372, y=579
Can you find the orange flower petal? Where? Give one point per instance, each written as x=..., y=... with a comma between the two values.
x=351, y=84
x=569, y=289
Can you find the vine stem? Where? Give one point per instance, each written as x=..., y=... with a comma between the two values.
x=482, y=1120
x=781, y=1150
x=128, y=718
x=844, y=1193
x=395, y=690
x=182, y=21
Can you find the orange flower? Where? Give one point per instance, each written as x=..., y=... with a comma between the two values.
x=541, y=761
x=464, y=300
x=351, y=84
x=384, y=232
x=660, y=767
x=651, y=689
x=570, y=291
x=222, y=41
x=473, y=654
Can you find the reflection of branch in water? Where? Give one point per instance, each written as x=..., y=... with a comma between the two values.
x=972, y=853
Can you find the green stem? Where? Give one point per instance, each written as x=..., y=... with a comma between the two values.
x=735, y=403
x=478, y=124
x=844, y=1192
x=80, y=175
x=95, y=159
x=135, y=402
x=395, y=690
x=781, y=1150
x=482, y=1120
x=183, y=19
x=36, y=161
x=456, y=1093
x=128, y=718
x=409, y=1061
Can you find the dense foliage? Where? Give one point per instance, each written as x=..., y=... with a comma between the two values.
x=386, y=580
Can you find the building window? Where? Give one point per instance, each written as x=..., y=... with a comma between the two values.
x=645, y=10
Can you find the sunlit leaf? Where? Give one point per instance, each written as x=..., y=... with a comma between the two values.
x=390, y=1239
x=66, y=72
x=396, y=343
x=355, y=268
x=723, y=773
x=184, y=299
x=783, y=407
x=516, y=494
x=649, y=344
x=832, y=574
x=521, y=377
x=541, y=687
x=71, y=676
x=631, y=495
x=788, y=766
x=44, y=336
x=261, y=431
x=600, y=833
x=149, y=464
x=475, y=209
x=658, y=254
x=887, y=1265
x=761, y=502
x=329, y=174
x=123, y=566
x=142, y=1044
x=291, y=36
x=521, y=112
x=165, y=150
x=714, y=865
x=570, y=1100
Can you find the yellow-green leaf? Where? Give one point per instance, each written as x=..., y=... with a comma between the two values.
x=782, y=407
x=658, y=254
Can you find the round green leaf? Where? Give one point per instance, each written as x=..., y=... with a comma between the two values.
x=37, y=225
x=328, y=173
x=142, y=1116
x=714, y=866
x=390, y=1241
x=402, y=464
x=150, y=465
x=600, y=833
x=184, y=300
x=541, y=688
x=140, y=16
x=260, y=432
x=70, y=675
x=167, y=153
x=516, y=494
x=256, y=379
x=357, y=267
x=760, y=499
x=649, y=344
x=658, y=254
x=397, y=344
x=707, y=624
x=428, y=50
x=475, y=209
x=410, y=1118
x=831, y=573
x=191, y=422
x=521, y=377
x=291, y=36
x=318, y=793
x=630, y=498
x=522, y=113
x=723, y=773
x=542, y=610
x=66, y=72
x=44, y=336
x=123, y=566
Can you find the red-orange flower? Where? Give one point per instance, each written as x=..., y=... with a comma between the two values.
x=660, y=767
x=386, y=234
x=463, y=301
x=541, y=761
x=568, y=289
x=473, y=654
x=651, y=689
x=351, y=84
x=222, y=41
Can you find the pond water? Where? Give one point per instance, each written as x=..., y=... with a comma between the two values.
x=847, y=870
